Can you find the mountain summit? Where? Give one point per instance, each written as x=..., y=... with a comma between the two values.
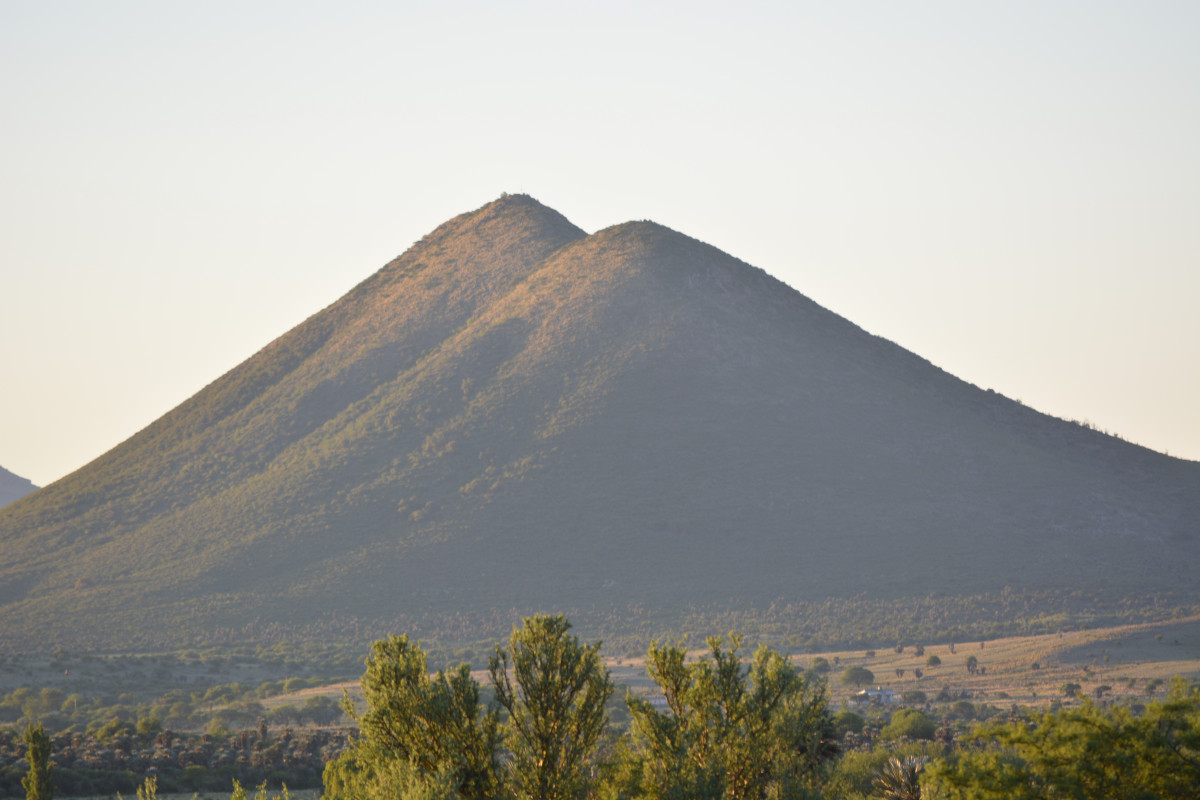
x=517, y=414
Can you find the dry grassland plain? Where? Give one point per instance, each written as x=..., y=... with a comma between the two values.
x=1126, y=658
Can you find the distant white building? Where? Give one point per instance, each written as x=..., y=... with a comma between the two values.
x=889, y=697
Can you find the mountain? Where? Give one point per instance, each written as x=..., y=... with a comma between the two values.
x=516, y=414
x=13, y=487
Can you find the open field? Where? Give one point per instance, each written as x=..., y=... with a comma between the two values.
x=1125, y=658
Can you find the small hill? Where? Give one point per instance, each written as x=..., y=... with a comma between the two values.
x=515, y=414
x=13, y=487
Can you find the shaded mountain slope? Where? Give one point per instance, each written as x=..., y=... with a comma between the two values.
x=516, y=413
x=13, y=487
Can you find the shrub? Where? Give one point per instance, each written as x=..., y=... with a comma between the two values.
x=963, y=709
x=908, y=723
x=844, y=721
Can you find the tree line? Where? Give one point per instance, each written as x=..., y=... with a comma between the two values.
x=725, y=727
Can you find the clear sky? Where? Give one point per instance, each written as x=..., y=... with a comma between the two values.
x=1009, y=189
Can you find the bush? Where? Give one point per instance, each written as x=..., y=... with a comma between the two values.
x=853, y=775
x=148, y=727
x=844, y=721
x=114, y=729
x=914, y=697
x=910, y=724
x=216, y=727
x=963, y=709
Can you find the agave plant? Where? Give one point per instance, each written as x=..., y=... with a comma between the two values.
x=898, y=780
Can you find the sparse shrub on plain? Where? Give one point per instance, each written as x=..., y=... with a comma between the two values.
x=857, y=676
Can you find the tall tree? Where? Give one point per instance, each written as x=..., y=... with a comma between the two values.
x=425, y=728
x=37, y=781
x=555, y=700
x=728, y=731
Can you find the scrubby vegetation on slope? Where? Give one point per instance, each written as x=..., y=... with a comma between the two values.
x=516, y=415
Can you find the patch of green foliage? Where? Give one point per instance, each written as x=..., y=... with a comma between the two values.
x=908, y=723
x=729, y=730
x=1087, y=751
x=37, y=783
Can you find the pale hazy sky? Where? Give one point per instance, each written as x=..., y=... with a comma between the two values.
x=1009, y=189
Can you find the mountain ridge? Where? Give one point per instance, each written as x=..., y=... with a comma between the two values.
x=514, y=411
x=13, y=487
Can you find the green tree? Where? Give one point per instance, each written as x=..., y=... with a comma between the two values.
x=322, y=710
x=147, y=728
x=847, y=721
x=555, y=700
x=963, y=708
x=855, y=775
x=908, y=723
x=900, y=778
x=149, y=789
x=1083, y=752
x=239, y=792
x=386, y=780
x=37, y=783
x=434, y=727
x=729, y=731
x=857, y=676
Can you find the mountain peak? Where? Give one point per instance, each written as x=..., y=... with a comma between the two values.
x=515, y=414
x=513, y=208
x=518, y=201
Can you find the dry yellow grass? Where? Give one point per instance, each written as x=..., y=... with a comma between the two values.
x=1090, y=658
